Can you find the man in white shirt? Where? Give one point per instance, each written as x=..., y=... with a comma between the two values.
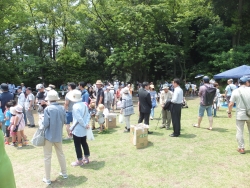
x=241, y=97
x=177, y=100
x=21, y=100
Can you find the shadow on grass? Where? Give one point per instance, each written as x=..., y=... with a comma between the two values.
x=94, y=165
x=222, y=130
x=150, y=144
x=187, y=135
x=68, y=141
x=156, y=133
x=26, y=147
x=71, y=181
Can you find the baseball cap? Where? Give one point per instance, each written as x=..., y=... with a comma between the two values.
x=205, y=78
x=28, y=88
x=18, y=87
x=39, y=86
x=244, y=79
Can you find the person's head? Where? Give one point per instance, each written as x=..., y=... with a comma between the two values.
x=8, y=105
x=40, y=87
x=71, y=86
x=28, y=90
x=230, y=81
x=205, y=79
x=99, y=84
x=4, y=87
x=152, y=87
x=216, y=85
x=100, y=107
x=82, y=85
x=176, y=82
x=145, y=85
x=92, y=104
x=248, y=82
x=52, y=96
x=243, y=80
x=125, y=91
x=165, y=88
x=90, y=89
x=22, y=84
x=19, y=89
x=108, y=88
x=75, y=96
x=13, y=102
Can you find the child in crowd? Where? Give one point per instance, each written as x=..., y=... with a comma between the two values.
x=100, y=117
x=92, y=112
x=19, y=126
x=12, y=134
x=7, y=115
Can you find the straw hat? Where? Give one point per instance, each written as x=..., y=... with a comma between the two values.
x=50, y=87
x=52, y=96
x=152, y=86
x=75, y=95
x=19, y=108
x=99, y=82
x=125, y=90
x=13, y=110
x=165, y=87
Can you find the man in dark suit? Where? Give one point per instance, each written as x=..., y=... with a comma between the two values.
x=145, y=104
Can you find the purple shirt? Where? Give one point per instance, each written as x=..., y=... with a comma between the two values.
x=202, y=92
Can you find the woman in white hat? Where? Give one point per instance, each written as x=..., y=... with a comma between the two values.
x=19, y=125
x=81, y=118
x=54, y=119
x=127, y=108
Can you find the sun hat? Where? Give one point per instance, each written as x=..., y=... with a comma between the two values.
x=212, y=81
x=125, y=90
x=39, y=86
x=52, y=96
x=165, y=87
x=75, y=95
x=99, y=82
x=152, y=86
x=19, y=108
x=50, y=87
x=13, y=110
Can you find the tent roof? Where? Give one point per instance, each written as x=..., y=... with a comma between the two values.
x=237, y=72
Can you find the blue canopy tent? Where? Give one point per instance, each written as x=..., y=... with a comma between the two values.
x=237, y=72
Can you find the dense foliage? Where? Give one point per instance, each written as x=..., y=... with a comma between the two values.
x=132, y=40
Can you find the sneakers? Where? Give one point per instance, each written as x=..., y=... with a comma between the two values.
x=48, y=182
x=241, y=150
x=77, y=163
x=20, y=145
x=7, y=143
x=13, y=144
x=31, y=126
x=65, y=176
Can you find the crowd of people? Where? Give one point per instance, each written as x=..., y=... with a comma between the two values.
x=85, y=105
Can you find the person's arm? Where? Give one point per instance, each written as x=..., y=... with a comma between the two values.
x=16, y=119
x=66, y=104
x=86, y=97
x=226, y=91
x=101, y=97
x=30, y=103
x=149, y=100
x=46, y=121
x=162, y=99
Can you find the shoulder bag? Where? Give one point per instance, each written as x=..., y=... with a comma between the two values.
x=247, y=109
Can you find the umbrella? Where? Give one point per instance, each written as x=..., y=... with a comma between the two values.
x=199, y=75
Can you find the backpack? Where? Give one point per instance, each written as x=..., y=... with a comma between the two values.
x=208, y=98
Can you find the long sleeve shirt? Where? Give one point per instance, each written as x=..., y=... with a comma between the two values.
x=177, y=96
x=81, y=118
x=164, y=97
x=54, y=119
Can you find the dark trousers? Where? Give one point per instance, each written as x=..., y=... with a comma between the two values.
x=145, y=117
x=176, y=118
x=81, y=141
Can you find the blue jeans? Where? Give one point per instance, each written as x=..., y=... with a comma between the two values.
x=152, y=113
x=202, y=110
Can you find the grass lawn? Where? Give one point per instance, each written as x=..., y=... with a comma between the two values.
x=198, y=158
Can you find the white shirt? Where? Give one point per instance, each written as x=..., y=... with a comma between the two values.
x=21, y=99
x=28, y=99
x=177, y=96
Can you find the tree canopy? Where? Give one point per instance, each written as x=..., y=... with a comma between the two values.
x=132, y=40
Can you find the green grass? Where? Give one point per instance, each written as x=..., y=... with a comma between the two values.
x=198, y=158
